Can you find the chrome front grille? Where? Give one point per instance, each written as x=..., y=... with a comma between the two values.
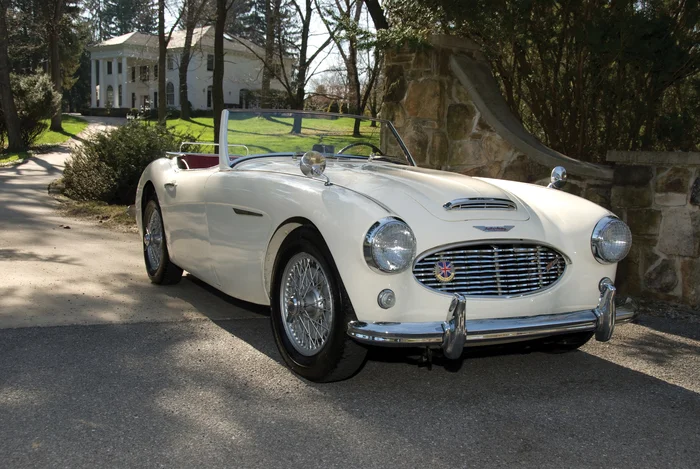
x=491, y=269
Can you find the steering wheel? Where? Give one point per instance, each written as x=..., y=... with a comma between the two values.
x=376, y=150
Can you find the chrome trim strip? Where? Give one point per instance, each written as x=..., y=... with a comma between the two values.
x=240, y=211
x=480, y=203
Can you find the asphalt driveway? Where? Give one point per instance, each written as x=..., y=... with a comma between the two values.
x=98, y=368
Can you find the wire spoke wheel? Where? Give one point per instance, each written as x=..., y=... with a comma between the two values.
x=306, y=303
x=153, y=241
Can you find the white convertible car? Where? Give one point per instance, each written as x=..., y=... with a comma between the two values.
x=327, y=219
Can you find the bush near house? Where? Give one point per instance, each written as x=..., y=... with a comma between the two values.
x=107, y=167
x=36, y=101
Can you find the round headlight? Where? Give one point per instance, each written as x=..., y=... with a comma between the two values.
x=611, y=240
x=390, y=245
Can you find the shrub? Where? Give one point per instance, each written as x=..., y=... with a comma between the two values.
x=107, y=167
x=36, y=101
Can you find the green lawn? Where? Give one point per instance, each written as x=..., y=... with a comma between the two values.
x=12, y=157
x=271, y=135
x=72, y=126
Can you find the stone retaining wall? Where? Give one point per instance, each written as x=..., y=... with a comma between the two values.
x=447, y=106
x=658, y=195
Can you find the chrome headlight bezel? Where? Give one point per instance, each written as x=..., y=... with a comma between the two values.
x=372, y=258
x=598, y=240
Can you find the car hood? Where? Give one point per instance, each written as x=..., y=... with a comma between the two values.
x=396, y=186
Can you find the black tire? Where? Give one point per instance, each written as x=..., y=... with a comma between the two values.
x=165, y=272
x=568, y=343
x=339, y=357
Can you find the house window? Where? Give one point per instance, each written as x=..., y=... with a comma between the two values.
x=209, y=97
x=171, y=63
x=144, y=74
x=155, y=72
x=210, y=62
x=110, y=96
x=170, y=93
x=120, y=103
x=133, y=100
x=155, y=99
x=109, y=68
x=119, y=68
x=133, y=74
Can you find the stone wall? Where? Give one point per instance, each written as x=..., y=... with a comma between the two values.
x=658, y=195
x=446, y=104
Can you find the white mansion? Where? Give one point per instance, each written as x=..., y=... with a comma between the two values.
x=124, y=70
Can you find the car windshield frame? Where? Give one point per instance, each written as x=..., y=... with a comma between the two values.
x=233, y=115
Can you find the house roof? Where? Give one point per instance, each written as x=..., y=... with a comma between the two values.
x=202, y=36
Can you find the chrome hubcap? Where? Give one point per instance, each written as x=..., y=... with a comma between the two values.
x=307, y=304
x=153, y=240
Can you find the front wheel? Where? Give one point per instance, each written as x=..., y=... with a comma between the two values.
x=310, y=311
x=159, y=267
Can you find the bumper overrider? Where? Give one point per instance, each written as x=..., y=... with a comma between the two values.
x=453, y=334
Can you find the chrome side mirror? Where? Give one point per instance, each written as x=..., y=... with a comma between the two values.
x=558, y=178
x=313, y=164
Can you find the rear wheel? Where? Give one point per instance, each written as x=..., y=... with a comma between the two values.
x=310, y=311
x=160, y=269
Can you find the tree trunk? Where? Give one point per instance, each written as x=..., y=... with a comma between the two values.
x=7, y=101
x=54, y=27
x=376, y=12
x=218, y=81
x=162, y=51
x=272, y=10
x=298, y=98
x=182, y=72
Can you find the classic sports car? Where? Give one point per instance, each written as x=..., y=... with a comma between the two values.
x=327, y=219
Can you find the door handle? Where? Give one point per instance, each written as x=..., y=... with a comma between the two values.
x=170, y=184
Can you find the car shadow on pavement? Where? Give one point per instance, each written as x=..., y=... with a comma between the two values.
x=193, y=394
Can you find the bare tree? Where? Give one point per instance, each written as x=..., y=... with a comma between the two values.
x=343, y=25
x=294, y=80
x=7, y=101
x=192, y=14
x=163, y=41
x=222, y=9
x=272, y=18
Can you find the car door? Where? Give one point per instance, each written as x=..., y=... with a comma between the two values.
x=239, y=229
x=185, y=219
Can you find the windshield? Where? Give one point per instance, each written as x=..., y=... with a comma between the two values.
x=260, y=133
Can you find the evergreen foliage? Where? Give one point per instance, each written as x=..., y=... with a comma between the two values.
x=585, y=76
x=107, y=167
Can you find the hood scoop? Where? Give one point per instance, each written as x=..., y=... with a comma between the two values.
x=480, y=203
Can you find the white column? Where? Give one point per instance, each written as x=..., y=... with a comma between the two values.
x=93, y=83
x=103, y=85
x=115, y=86
x=126, y=97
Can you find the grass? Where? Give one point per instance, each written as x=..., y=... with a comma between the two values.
x=111, y=216
x=72, y=126
x=270, y=135
x=9, y=158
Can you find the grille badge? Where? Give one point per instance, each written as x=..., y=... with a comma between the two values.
x=444, y=271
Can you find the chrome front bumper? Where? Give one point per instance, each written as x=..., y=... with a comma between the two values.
x=453, y=334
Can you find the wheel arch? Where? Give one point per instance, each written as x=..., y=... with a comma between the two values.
x=281, y=233
x=148, y=191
